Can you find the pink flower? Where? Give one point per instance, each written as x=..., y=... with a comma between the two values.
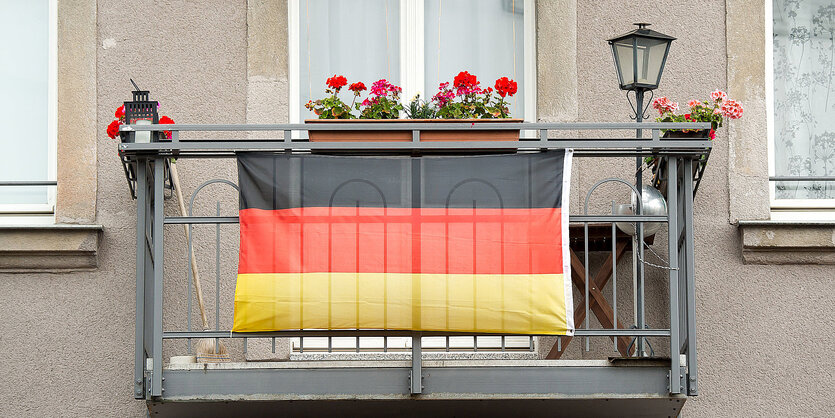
x=664, y=105
x=383, y=88
x=718, y=95
x=444, y=95
x=694, y=103
x=712, y=134
x=731, y=109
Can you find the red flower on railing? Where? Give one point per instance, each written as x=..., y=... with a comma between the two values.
x=466, y=83
x=506, y=87
x=113, y=128
x=120, y=112
x=357, y=87
x=165, y=120
x=337, y=82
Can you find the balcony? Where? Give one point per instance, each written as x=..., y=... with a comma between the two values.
x=635, y=348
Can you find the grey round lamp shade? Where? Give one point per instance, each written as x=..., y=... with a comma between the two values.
x=652, y=203
x=639, y=57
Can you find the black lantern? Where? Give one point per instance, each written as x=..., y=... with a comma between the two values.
x=640, y=56
x=141, y=111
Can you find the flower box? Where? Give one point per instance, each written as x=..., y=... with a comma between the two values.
x=335, y=135
x=659, y=165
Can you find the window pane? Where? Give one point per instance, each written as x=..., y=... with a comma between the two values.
x=357, y=39
x=484, y=37
x=804, y=99
x=24, y=81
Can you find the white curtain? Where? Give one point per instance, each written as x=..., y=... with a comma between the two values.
x=483, y=37
x=359, y=39
x=24, y=104
x=804, y=96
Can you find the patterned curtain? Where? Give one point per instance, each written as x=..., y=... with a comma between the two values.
x=804, y=96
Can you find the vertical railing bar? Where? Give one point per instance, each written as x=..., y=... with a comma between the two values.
x=638, y=267
x=447, y=343
x=330, y=344
x=385, y=344
x=614, y=278
x=288, y=135
x=559, y=344
x=530, y=343
x=189, y=284
x=301, y=344
x=586, y=265
x=273, y=345
x=416, y=383
x=503, y=344
x=217, y=277
x=158, y=216
x=639, y=230
x=690, y=280
x=672, y=232
x=141, y=202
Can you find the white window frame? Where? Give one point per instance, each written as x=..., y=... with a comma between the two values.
x=44, y=212
x=412, y=54
x=785, y=209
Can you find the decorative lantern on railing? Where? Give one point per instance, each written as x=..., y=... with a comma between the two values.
x=141, y=111
x=640, y=56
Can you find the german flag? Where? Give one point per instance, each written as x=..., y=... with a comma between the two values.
x=435, y=243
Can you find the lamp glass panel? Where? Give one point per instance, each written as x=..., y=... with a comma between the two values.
x=650, y=58
x=623, y=59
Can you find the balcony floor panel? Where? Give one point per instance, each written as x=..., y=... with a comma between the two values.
x=613, y=407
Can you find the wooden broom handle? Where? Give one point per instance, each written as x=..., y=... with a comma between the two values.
x=175, y=177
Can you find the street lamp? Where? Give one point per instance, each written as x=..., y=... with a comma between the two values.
x=639, y=58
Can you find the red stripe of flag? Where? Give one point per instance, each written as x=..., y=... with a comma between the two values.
x=379, y=240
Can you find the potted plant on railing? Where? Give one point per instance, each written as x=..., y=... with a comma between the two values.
x=464, y=101
x=713, y=111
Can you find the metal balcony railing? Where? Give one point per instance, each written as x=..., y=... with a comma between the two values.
x=594, y=237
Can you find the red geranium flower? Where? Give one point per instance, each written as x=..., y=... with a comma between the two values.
x=465, y=80
x=120, y=112
x=337, y=82
x=113, y=129
x=506, y=87
x=165, y=120
x=357, y=87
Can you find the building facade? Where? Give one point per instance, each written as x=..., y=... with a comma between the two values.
x=764, y=248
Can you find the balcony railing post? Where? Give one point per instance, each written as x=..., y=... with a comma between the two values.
x=158, y=218
x=672, y=243
x=139, y=361
x=690, y=280
x=415, y=375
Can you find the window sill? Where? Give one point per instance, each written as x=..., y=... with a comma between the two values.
x=788, y=242
x=48, y=248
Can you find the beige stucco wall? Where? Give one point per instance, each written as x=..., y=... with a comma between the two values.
x=67, y=339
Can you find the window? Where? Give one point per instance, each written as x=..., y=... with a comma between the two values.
x=802, y=102
x=28, y=79
x=415, y=44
